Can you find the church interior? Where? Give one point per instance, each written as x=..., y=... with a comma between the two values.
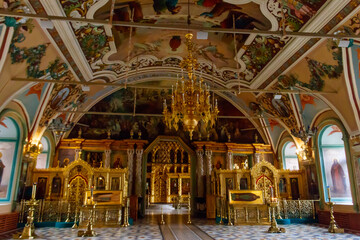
x=173, y=119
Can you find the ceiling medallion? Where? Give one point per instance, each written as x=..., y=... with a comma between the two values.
x=190, y=102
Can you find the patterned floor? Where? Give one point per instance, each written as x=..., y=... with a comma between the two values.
x=293, y=231
x=155, y=209
x=201, y=229
x=150, y=230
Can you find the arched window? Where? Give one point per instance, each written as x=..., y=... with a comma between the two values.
x=43, y=158
x=9, y=143
x=333, y=163
x=290, y=159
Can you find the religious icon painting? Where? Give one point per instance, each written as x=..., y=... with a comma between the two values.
x=41, y=188
x=334, y=165
x=6, y=160
x=185, y=186
x=56, y=186
x=8, y=149
x=229, y=184
x=115, y=183
x=336, y=173
x=173, y=186
x=100, y=183
x=282, y=185
x=294, y=185
x=243, y=183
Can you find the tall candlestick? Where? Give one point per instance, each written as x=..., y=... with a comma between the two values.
x=33, y=193
x=271, y=192
x=328, y=192
x=92, y=191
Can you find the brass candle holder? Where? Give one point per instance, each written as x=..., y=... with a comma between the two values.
x=162, y=222
x=29, y=229
x=68, y=213
x=333, y=227
x=75, y=219
x=89, y=228
x=274, y=228
x=189, y=211
x=229, y=217
x=126, y=214
x=221, y=211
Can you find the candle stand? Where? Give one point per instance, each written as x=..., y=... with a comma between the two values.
x=29, y=229
x=189, y=212
x=89, y=228
x=126, y=213
x=274, y=228
x=162, y=222
x=333, y=227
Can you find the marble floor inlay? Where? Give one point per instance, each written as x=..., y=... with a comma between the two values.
x=201, y=229
x=259, y=232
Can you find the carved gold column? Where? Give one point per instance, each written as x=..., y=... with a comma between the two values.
x=139, y=154
x=200, y=172
x=208, y=154
x=130, y=153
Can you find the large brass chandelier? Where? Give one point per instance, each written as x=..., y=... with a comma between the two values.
x=190, y=102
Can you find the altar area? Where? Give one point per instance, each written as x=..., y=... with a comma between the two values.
x=219, y=178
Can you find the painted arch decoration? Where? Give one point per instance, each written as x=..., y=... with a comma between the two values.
x=102, y=52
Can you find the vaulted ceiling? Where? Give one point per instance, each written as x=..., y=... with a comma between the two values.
x=142, y=43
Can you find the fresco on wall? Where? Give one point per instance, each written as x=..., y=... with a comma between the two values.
x=31, y=99
x=319, y=71
x=275, y=129
x=310, y=106
x=150, y=102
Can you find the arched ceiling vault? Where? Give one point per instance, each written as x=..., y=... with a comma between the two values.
x=119, y=54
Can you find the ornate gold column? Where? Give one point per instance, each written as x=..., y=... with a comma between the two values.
x=139, y=154
x=208, y=154
x=130, y=154
x=200, y=172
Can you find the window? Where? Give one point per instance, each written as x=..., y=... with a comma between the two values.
x=290, y=159
x=43, y=158
x=334, y=169
x=9, y=143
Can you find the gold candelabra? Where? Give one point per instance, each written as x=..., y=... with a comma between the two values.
x=75, y=219
x=29, y=229
x=162, y=222
x=189, y=211
x=89, y=227
x=221, y=211
x=126, y=213
x=333, y=227
x=68, y=213
x=274, y=228
x=229, y=216
x=190, y=102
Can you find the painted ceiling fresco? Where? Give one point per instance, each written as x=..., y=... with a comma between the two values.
x=88, y=52
x=114, y=51
x=150, y=102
